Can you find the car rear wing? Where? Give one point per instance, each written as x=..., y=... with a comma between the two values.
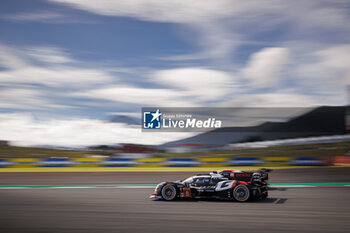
x=264, y=172
x=246, y=175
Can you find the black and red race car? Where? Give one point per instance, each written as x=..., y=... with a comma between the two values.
x=226, y=185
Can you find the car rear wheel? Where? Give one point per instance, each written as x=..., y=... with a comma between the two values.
x=169, y=192
x=241, y=193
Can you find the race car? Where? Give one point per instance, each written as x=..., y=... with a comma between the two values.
x=225, y=185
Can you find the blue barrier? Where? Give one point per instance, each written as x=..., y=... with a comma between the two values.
x=181, y=162
x=119, y=162
x=56, y=162
x=307, y=161
x=4, y=163
x=245, y=161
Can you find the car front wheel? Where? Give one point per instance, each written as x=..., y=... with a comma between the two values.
x=168, y=192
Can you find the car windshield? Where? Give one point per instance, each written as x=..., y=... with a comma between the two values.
x=197, y=180
x=189, y=180
x=202, y=180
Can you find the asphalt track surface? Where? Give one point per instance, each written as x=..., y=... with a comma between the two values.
x=298, y=175
x=130, y=210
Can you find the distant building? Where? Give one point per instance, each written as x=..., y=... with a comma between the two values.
x=4, y=143
x=134, y=148
x=135, y=151
x=347, y=116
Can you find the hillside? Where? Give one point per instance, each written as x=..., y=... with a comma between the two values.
x=317, y=122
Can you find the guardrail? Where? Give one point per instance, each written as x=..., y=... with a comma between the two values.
x=164, y=162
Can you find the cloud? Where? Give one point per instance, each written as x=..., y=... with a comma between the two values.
x=55, y=68
x=52, y=17
x=157, y=10
x=140, y=96
x=56, y=76
x=58, y=68
x=49, y=55
x=241, y=57
x=26, y=99
x=39, y=77
x=23, y=130
x=320, y=13
x=195, y=82
x=219, y=28
x=33, y=16
x=265, y=67
x=183, y=87
x=212, y=37
x=10, y=58
x=284, y=98
x=335, y=62
x=325, y=72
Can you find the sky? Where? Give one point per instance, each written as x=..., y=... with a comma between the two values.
x=63, y=62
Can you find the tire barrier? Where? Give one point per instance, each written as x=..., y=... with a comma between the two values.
x=172, y=162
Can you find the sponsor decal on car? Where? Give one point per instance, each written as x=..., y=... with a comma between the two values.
x=186, y=192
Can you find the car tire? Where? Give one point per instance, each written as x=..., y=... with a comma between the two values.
x=241, y=193
x=168, y=192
